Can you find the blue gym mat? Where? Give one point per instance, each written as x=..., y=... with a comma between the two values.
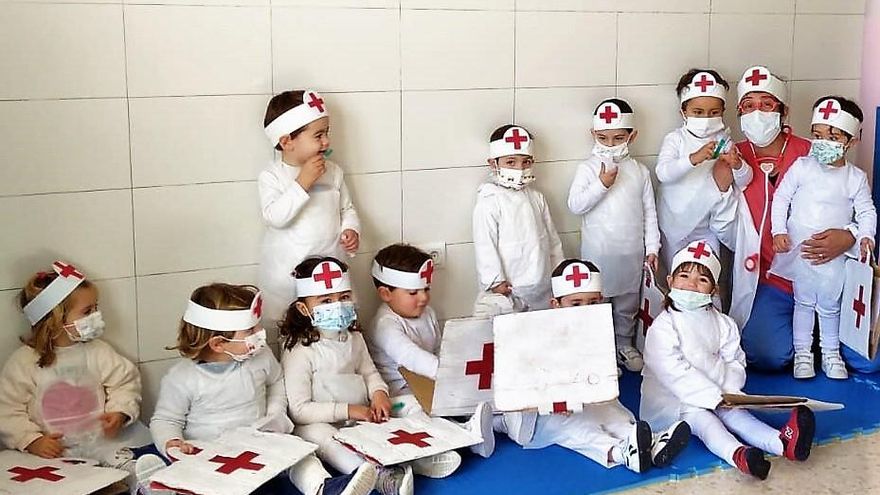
x=554, y=470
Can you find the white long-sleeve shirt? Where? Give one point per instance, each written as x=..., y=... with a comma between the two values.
x=198, y=402
x=413, y=343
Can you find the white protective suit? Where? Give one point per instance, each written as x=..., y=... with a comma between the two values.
x=515, y=241
x=413, y=343
x=299, y=224
x=618, y=230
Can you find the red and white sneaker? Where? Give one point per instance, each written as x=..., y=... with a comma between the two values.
x=797, y=434
x=751, y=461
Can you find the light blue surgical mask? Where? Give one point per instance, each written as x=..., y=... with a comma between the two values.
x=826, y=151
x=688, y=300
x=334, y=317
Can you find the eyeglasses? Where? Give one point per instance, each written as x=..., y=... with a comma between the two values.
x=764, y=104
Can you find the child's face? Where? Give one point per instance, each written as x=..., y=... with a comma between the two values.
x=517, y=162
x=824, y=131
x=703, y=107
x=307, y=304
x=577, y=299
x=692, y=280
x=614, y=137
x=407, y=303
x=219, y=344
x=312, y=141
x=83, y=302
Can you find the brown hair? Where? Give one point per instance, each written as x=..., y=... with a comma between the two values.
x=281, y=103
x=193, y=340
x=403, y=257
x=687, y=266
x=44, y=332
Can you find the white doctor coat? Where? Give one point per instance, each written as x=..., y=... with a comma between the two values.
x=413, y=343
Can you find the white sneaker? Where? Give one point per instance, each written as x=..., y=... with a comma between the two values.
x=803, y=365
x=360, y=482
x=437, y=466
x=521, y=426
x=144, y=467
x=481, y=423
x=670, y=443
x=833, y=366
x=630, y=358
x=637, y=450
x=395, y=480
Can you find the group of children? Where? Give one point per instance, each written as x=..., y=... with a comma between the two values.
x=335, y=371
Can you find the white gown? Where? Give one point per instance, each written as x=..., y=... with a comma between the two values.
x=413, y=343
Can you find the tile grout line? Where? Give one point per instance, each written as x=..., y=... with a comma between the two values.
x=400, y=132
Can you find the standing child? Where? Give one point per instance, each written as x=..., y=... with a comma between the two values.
x=822, y=191
x=303, y=197
x=692, y=357
x=614, y=195
x=515, y=242
x=696, y=161
x=405, y=333
x=230, y=380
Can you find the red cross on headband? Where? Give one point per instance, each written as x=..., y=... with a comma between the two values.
x=69, y=278
x=311, y=109
x=703, y=84
x=327, y=277
x=609, y=116
x=420, y=279
x=759, y=78
x=224, y=320
x=575, y=278
x=515, y=141
x=698, y=252
x=829, y=112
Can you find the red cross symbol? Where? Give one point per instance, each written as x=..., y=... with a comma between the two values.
x=645, y=315
x=68, y=270
x=258, y=307
x=516, y=139
x=23, y=474
x=560, y=407
x=756, y=77
x=402, y=436
x=648, y=279
x=316, y=102
x=327, y=275
x=428, y=272
x=608, y=114
x=828, y=110
x=576, y=276
x=751, y=263
x=704, y=83
x=241, y=461
x=859, y=307
x=484, y=367
x=699, y=251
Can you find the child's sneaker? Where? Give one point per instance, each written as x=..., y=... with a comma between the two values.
x=797, y=434
x=521, y=426
x=144, y=467
x=395, y=480
x=833, y=366
x=630, y=358
x=637, y=451
x=751, y=461
x=360, y=482
x=437, y=466
x=670, y=443
x=481, y=423
x=803, y=365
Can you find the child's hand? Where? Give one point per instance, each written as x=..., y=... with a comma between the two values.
x=380, y=407
x=358, y=412
x=607, y=178
x=731, y=159
x=311, y=171
x=112, y=422
x=651, y=260
x=47, y=446
x=350, y=240
x=503, y=288
x=704, y=153
x=185, y=447
x=866, y=247
x=781, y=243
x=723, y=175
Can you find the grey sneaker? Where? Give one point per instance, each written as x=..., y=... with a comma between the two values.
x=630, y=358
x=481, y=423
x=395, y=480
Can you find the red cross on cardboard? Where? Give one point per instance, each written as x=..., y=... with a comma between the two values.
x=404, y=437
x=484, y=367
x=516, y=138
x=428, y=272
x=316, y=102
x=560, y=407
x=23, y=474
x=327, y=275
x=704, y=83
x=756, y=77
x=699, y=251
x=241, y=461
x=576, y=276
x=608, y=114
x=67, y=270
x=828, y=109
x=859, y=307
x=645, y=314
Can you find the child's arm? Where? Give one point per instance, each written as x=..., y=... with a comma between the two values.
x=365, y=366
x=649, y=212
x=671, y=164
x=279, y=205
x=781, y=204
x=389, y=336
x=17, y=431
x=276, y=419
x=298, y=385
x=490, y=272
x=348, y=215
x=743, y=175
x=121, y=381
x=733, y=356
x=586, y=190
x=172, y=408
x=865, y=216
x=556, y=254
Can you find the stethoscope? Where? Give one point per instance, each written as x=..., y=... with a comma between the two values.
x=767, y=166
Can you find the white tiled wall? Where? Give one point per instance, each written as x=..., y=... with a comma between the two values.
x=131, y=131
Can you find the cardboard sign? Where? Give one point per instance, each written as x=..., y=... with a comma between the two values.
x=770, y=402
x=859, y=329
x=27, y=474
x=650, y=307
x=555, y=360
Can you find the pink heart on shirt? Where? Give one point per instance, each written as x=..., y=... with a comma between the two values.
x=69, y=407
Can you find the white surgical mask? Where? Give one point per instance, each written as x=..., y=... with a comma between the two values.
x=513, y=178
x=253, y=342
x=703, y=127
x=87, y=328
x=615, y=153
x=334, y=317
x=826, y=151
x=761, y=128
x=688, y=300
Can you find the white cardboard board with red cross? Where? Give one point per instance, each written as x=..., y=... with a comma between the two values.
x=466, y=366
x=650, y=307
x=406, y=439
x=555, y=360
x=28, y=474
x=859, y=309
x=235, y=464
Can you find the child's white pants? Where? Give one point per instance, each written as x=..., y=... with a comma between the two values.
x=329, y=450
x=714, y=429
x=308, y=475
x=623, y=312
x=818, y=291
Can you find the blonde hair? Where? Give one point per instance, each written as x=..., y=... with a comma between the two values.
x=44, y=332
x=192, y=341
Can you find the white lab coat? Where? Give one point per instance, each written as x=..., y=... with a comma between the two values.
x=299, y=224
x=691, y=358
x=515, y=241
x=413, y=343
x=619, y=224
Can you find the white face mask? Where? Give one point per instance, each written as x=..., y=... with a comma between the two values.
x=761, y=128
x=513, y=178
x=615, y=153
x=86, y=328
x=253, y=342
x=688, y=300
x=703, y=127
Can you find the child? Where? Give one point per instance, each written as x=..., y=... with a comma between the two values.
x=606, y=432
x=823, y=190
x=515, y=242
x=230, y=380
x=405, y=332
x=692, y=357
x=690, y=159
x=303, y=198
x=615, y=197
x=66, y=392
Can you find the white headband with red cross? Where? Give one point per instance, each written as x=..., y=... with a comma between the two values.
x=327, y=278
x=698, y=252
x=310, y=110
x=703, y=84
x=759, y=78
x=609, y=116
x=828, y=112
x=224, y=320
x=575, y=278
x=515, y=141
x=67, y=281
x=420, y=279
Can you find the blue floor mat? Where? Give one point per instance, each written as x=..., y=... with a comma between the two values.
x=554, y=470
